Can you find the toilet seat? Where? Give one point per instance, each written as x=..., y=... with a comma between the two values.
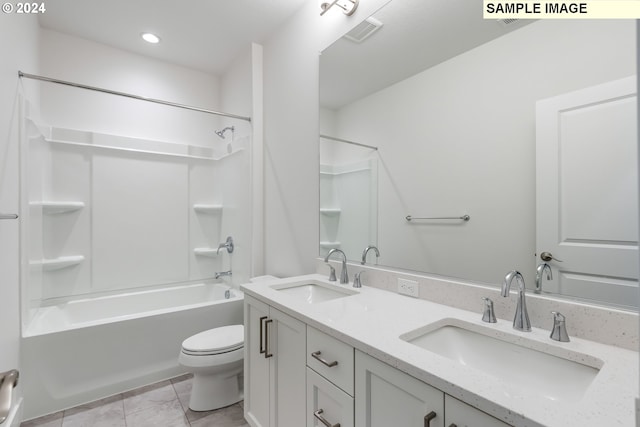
x=220, y=340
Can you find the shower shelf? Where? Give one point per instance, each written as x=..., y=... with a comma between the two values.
x=330, y=211
x=209, y=252
x=53, y=208
x=330, y=245
x=207, y=209
x=59, y=263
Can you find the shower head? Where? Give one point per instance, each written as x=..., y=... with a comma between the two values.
x=220, y=133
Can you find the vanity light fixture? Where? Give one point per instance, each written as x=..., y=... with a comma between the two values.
x=150, y=38
x=347, y=6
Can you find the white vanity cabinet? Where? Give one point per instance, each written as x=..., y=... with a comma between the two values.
x=459, y=414
x=330, y=388
x=386, y=396
x=274, y=367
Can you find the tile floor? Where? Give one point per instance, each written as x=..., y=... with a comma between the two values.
x=164, y=404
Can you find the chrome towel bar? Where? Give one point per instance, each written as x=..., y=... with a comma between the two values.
x=462, y=218
x=8, y=381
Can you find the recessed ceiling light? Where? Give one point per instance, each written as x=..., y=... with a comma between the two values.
x=150, y=38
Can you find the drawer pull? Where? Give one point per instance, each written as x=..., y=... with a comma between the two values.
x=427, y=418
x=318, y=415
x=316, y=355
x=267, y=344
x=262, y=319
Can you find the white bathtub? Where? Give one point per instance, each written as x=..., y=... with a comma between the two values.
x=87, y=349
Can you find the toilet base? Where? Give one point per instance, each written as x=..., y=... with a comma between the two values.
x=211, y=392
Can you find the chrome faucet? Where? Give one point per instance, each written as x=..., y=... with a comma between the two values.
x=344, y=277
x=222, y=273
x=521, y=320
x=539, y=273
x=366, y=250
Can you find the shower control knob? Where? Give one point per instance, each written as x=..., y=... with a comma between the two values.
x=548, y=256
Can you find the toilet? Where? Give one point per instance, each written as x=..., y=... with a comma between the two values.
x=215, y=357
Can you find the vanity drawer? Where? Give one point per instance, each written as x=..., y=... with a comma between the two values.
x=326, y=403
x=331, y=358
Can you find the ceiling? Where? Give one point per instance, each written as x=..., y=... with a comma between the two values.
x=206, y=35
x=416, y=35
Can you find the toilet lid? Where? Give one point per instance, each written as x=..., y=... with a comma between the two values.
x=217, y=340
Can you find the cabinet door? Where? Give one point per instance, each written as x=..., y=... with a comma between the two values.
x=287, y=341
x=459, y=414
x=387, y=397
x=327, y=402
x=256, y=365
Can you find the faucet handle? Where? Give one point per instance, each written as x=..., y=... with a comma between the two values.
x=489, y=315
x=559, y=330
x=356, y=280
x=332, y=273
x=228, y=245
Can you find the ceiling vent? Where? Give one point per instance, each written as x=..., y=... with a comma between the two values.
x=363, y=30
x=506, y=22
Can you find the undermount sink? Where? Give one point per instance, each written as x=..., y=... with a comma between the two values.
x=312, y=292
x=519, y=364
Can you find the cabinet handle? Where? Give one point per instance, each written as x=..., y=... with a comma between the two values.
x=318, y=415
x=266, y=334
x=316, y=355
x=262, y=319
x=427, y=418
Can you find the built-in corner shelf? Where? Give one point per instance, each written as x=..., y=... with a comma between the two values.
x=207, y=209
x=210, y=252
x=59, y=263
x=330, y=211
x=52, y=208
x=330, y=245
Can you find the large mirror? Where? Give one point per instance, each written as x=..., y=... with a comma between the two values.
x=455, y=105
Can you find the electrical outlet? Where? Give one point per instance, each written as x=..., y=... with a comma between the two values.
x=408, y=287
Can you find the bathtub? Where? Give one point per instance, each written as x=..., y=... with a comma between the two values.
x=87, y=349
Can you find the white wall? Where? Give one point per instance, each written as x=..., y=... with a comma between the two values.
x=78, y=60
x=291, y=134
x=18, y=49
x=460, y=139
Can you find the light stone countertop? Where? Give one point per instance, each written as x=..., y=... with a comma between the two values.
x=373, y=320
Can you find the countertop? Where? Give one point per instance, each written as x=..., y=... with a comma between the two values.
x=373, y=320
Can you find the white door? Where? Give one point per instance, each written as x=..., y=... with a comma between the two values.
x=587, y=192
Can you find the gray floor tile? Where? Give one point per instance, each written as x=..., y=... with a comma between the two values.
x=231, y=416
x=149, y=397
x=166, y=414
x=53, y=420
x=107, y=412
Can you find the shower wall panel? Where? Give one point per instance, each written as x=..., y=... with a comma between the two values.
x=140, y=221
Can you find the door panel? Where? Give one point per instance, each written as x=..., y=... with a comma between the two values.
x=587, y=192
x=387, y=397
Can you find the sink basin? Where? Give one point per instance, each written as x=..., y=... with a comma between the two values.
x=519, y=364
x=314, y=293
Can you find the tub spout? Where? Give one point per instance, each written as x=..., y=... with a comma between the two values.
x=219, y=274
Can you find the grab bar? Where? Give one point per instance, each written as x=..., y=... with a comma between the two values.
x=463, y=217
x=8, y=381
x=8, y=216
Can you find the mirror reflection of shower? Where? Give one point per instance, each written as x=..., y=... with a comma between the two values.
x=221, y=133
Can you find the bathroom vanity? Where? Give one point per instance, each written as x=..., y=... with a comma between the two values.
x=319, y=353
